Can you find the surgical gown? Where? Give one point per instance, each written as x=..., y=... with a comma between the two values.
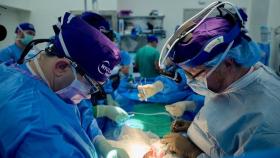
x=35, y=122
x=243, y=119
x=11, y=52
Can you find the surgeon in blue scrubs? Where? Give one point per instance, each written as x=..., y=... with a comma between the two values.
x=25, y=33
x=41, y=112
x=241, y=107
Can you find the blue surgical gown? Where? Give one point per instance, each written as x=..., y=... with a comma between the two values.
x=35, y=122
x=244, y=118
x=12, y=52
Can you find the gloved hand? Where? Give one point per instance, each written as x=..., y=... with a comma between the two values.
x=114, y=113
x=111, y=101
x=117, y=153
x=180, y=126
x=148, y=90
x=181, y=145
x=177, y=109
x=107, y=150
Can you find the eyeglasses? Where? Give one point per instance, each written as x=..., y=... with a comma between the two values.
x=191, y=76
x=94, y=85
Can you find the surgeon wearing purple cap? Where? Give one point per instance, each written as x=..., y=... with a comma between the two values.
x=25, y=33
x=99, y=22
x=241, y=109
x=41, y=111
x=103, y=26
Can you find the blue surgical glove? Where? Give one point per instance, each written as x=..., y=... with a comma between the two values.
x=107, y=150
x=114, y=113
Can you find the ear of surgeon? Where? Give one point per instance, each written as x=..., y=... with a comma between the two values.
x=62, y=77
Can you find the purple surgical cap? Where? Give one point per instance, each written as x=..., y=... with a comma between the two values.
x=211, y=27
x=88, y=47
x=99, y=22
x=25, y=27
x=96, y=20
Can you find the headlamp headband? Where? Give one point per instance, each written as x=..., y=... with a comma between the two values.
x=190, y=25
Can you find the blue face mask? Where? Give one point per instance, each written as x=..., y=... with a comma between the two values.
x=26, y=39
x=76, y=91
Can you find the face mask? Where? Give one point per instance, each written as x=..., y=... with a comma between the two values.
x=26, y=39
x=200, y=86
x=76, y=91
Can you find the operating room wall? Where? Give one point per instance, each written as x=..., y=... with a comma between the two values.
x=11, y=17
x=274, y=12
x=17, y=4
x=258, y=17
x=274, y=22
x=43, y=14
x=173, y=10
x=266, y=13
x=107, y=4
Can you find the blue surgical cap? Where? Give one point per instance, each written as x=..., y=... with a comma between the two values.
x=152, y=38
x=25, y=27
x=246, y=54
x=125, y=58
